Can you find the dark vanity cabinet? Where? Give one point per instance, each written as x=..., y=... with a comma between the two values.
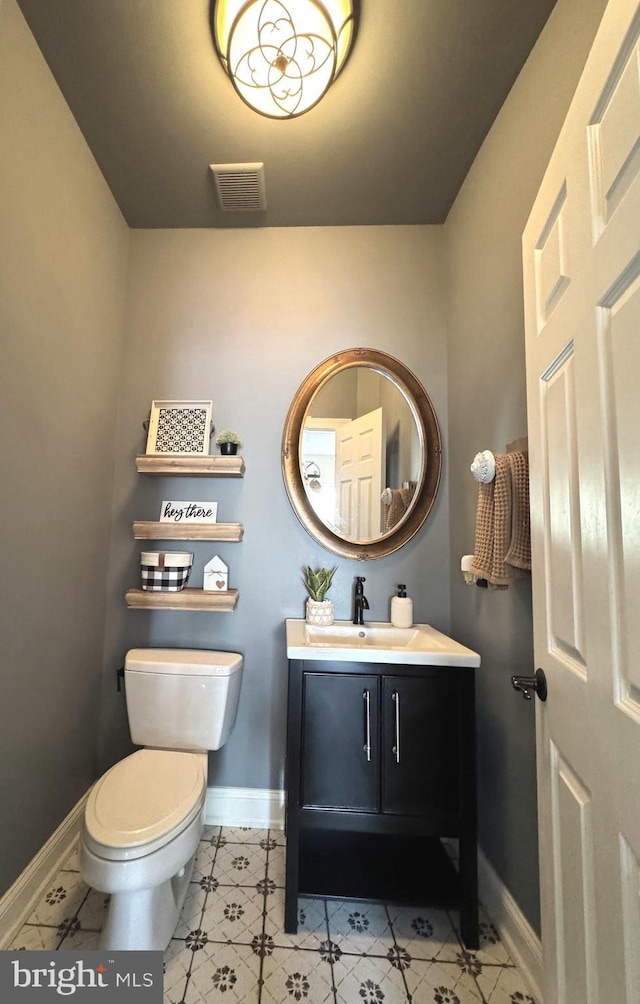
x=380, y=766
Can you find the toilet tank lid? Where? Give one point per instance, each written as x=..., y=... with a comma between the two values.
x=182, y=661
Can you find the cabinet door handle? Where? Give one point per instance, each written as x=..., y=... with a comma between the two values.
x=395, y=697
x=366, y=696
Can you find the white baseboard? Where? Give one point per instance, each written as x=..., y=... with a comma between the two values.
x=257, y=807
x=20, y=899
x=515, y=930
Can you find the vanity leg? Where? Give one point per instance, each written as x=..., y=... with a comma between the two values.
x=291, y=880
x=469, y=893
x=290, y=913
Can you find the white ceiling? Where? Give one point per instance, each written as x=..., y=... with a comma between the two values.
x=390, y=143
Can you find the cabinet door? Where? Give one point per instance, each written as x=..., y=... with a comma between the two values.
x=421, y=747
x=340, y=741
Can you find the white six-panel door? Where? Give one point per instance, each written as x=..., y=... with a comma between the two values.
x=582, y=306
x=360, y=473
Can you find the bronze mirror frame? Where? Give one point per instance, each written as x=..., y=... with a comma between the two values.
x=428, y=431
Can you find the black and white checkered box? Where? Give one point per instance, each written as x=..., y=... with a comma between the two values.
x=165, y=571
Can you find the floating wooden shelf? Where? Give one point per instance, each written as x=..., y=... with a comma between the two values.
x=186, y=599
x=191, y=467
x=153, y=530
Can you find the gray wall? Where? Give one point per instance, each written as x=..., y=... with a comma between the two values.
x=487, y=409
x=63, y=257
x=241, y=317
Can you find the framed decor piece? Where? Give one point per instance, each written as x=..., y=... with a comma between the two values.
x=180, y=427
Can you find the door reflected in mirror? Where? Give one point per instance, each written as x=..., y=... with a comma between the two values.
x=361, y=453
x=361, y=436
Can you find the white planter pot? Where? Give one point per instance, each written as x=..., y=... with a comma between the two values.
x=320, y=614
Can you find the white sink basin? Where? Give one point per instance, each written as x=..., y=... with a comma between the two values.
x=376, y=635
x=377, y=641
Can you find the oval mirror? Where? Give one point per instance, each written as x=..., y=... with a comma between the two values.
x=361, y=454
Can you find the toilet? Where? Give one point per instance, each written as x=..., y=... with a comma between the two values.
x=144, y=817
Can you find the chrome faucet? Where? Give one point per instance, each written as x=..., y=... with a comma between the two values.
x=360, y=601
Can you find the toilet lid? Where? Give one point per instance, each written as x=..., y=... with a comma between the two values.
x=145, y=796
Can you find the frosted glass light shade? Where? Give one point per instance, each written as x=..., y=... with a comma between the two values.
x=283, y=55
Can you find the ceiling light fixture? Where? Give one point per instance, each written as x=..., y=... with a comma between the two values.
x=282, y=57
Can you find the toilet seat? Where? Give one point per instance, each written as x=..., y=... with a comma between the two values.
x=143, y=802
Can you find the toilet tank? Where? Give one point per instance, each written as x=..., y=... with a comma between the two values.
x=183, y=699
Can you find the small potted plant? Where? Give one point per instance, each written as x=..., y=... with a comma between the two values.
x=319, y=610
x=228, y=441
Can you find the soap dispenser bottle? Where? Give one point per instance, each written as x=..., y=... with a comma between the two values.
x=401, y=609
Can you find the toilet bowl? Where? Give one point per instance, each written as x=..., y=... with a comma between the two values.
x=144, y=817
x=141, y=829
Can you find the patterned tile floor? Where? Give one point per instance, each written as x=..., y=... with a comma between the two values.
x=229, y=945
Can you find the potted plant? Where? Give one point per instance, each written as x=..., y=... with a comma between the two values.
x=319, y=610
x=228, y=441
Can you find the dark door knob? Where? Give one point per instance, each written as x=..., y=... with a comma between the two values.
x=528, y=685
